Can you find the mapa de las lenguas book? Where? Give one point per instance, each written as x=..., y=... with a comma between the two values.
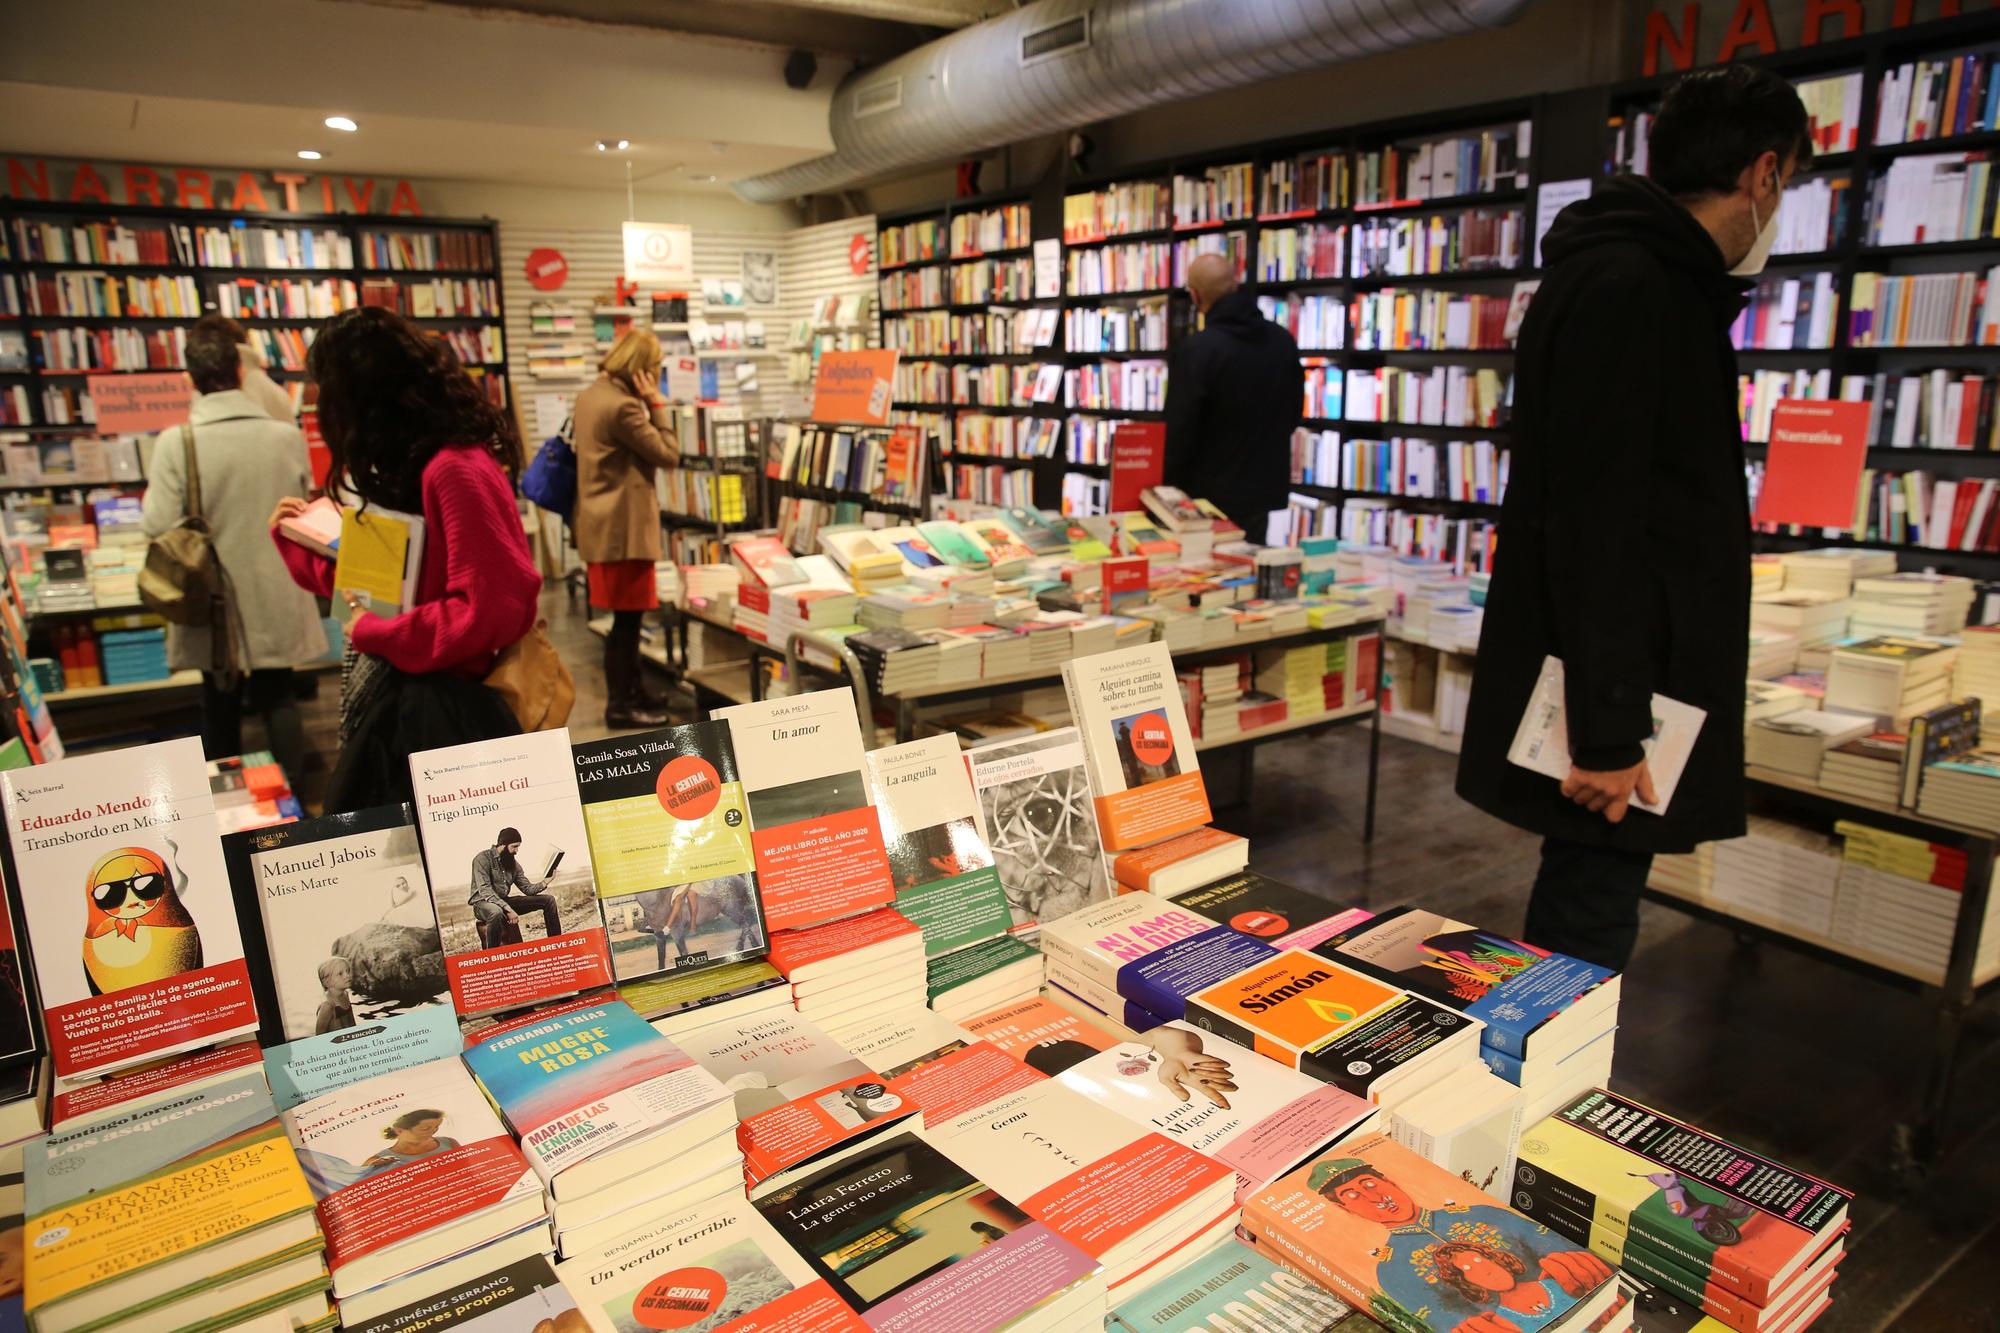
x=1421, y=1250
x=1036, y=813
x=411, y=1168
x=521, y=1297
x=1251, y=1114
x=595, y=1094
x=1541, y=741
x=818, y=839
x=1233, y=1289
x=945, y=878
x=1143, y=770
x=130, y=917
x=146, y=1209
x=916, y=1242
x=715, y=1266
x=348, y=938
x=670, y=845
x=509, y=868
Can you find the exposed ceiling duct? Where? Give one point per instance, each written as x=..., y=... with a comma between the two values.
x=1056, y=64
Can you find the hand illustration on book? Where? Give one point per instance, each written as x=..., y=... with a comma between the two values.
x=1183, y=1065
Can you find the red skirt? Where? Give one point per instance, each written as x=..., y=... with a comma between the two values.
x=622, y=585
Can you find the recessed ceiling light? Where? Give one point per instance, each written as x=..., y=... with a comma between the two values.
x=709, y=177
x=624, y=143
x=341, y=123
x=311, y=154
x=611, y=145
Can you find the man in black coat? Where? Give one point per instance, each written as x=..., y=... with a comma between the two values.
x=1235, y=393
x=1625, y=537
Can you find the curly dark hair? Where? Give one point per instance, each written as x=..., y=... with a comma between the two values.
x=389, y=398
x=1450, y=1276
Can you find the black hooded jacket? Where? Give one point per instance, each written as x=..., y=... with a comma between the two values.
x=1235, y=392
x=1624, y=543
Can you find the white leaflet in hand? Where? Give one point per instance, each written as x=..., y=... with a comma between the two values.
x=1541, y=742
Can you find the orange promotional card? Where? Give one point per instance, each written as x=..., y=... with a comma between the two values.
x=854, y=387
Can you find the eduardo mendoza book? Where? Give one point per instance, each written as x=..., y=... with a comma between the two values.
x=509, y=866
x=1127, y=705
x=817, y=836
x=670, y=845
x=130, y=917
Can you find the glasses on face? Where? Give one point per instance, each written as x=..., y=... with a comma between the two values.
x=110, y=895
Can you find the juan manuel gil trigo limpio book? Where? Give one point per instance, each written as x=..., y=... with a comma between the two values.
x=130, y=918
x=509, y=866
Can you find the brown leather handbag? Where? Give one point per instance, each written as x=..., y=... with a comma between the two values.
x=531, y=677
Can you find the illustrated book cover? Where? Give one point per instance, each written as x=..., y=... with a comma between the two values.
x=1036, y=813
x=1143, y=771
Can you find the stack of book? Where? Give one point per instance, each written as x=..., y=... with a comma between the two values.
x=1767, y=575
x=849, y=973
x=1469, y=1124
x=1977, y=676
x=1779, y=874
x=871, y=564
x=1797, y=742
x=808, y=608
x=1182, y=863
x=1266, y=909
x=1210, y=693
x=905, y=607
x=1811, y=617
x=1964, y=789
x=1870, y=768
x=1892, y=678
x=1834, y=569
x=1215, y=1289
x=1771, y=698
x=1772, y=654
x=1899, y=899
x=895, y=660
x=1911, y=603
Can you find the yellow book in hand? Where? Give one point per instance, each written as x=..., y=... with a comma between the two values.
x=381, y=551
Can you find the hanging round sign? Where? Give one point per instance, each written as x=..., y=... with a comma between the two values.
x=547, y=269
x=857, y=255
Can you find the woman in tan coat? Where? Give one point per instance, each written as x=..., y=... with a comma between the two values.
x=622, y=439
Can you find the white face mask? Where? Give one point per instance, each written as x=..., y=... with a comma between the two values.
x=1760, y=249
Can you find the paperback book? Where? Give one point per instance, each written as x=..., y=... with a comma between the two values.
x=1182, y=863
x=1233, y=1289
x=1036, y=813
x=818, y=838
x=1266, y=909
x=1044, y=1036
x=131, y=922
x=669, y=829
x=1541, y=741
x=510, y=871
x=148, y=1085
x=945, y=878
x=1133, y=724
x=974, y=979
x=380, y=554
x=707, y=994
x=522, y=1297
x=937, y=1065
x=1148, y=951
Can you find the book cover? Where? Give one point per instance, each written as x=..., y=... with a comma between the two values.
x=669, y=828
x=586, y=1078
x=945, y=878
x=1047, y=1037
x=1266, y=909
x=148, y=1084
x=916, y=1242
x=1541, y=740
x=1099, y=942
x=399, y=1155
x=937, y=1065
x=1036, y=813
x=714, y=1267
x=509, y=867
x=348, y=936
x=130, y=917
x=523, y=1297
x=381, y=552
x=1143, y=771
x=987, y=963
x=1415, y=1246
x=1232, y=1287
x=1200, y=856
x=1251, y=1114
x=301, y=1070
x=818, y=837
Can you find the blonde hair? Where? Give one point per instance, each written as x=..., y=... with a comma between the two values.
x=636, y=353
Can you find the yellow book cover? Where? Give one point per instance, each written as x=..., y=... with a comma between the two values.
x=380, y=552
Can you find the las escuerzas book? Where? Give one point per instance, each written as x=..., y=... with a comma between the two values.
x=1148, y=950
x=343, y=934
x=938, y=1065
x=1251, y=1114
x=1266, y=909
x=1541, y=741
x=670, y=846
x=1200, y=856
x=127, y=899
x=1036, y=813
x=1126, y=1195
x=136, y=1089
x=521, y=1297
x=1698, y=1201
x=715, y=1266
x=916, y=1242
x=1046, y=1037
x=149, y=1209
x=1313, y=1014
x=1422, y=1250
x=1143, y=770
x=496, y=816
x=818, y=839
x=411, y=1169
x=593, y=1092
x=381, y=553
x=944, y=873
x=1532, y=1001
x=1230, y=1288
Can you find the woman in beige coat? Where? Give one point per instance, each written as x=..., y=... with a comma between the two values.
x=622, y=438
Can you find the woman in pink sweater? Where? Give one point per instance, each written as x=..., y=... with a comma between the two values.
x=409, y=430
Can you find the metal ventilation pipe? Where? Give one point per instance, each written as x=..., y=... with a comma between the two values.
x=1056, y=64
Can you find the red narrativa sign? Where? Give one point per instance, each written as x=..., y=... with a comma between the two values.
x=1814, y=468
x=1138, y=460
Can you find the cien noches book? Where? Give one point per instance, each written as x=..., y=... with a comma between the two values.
x=938, y=1065
x=521, y=1297
x=945, y=878
x=670, y=846
x=1036, y=813
x=1233, y=1287
x=818, y=839
x=595, y=1094
x=509, y=864
x=129, y=913
x=1541, y=741
x=1143, y=771
x=1149, y=951
x=1269, y=910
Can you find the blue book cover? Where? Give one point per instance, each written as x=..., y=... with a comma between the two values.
x=1114, y=1007
x=1232, y=1283
x=1162, y=980
x=303, y=1069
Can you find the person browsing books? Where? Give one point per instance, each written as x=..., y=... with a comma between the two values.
x=623, y=436
x=1625, y=532
x=501, y=890
x=1234, y=395
x=409, y=430
x=247, y=463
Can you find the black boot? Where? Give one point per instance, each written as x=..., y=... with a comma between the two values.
x=625, y=708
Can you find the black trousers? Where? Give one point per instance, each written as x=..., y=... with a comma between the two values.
x=270, y=694
x=623, y=683
x=1586, y=902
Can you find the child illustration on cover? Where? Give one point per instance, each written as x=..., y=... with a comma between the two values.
x=1466, y=1266
x=336, y=1009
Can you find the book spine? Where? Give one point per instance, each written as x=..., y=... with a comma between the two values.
x=1636, y=1253
x=1275, y=1240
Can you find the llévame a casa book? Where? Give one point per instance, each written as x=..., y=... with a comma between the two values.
x=670, y=845
x=1541, y=740
x=130, y=918
x=1143, y=770
x=519, y=919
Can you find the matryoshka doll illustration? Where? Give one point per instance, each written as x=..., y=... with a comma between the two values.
x=138, y=929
